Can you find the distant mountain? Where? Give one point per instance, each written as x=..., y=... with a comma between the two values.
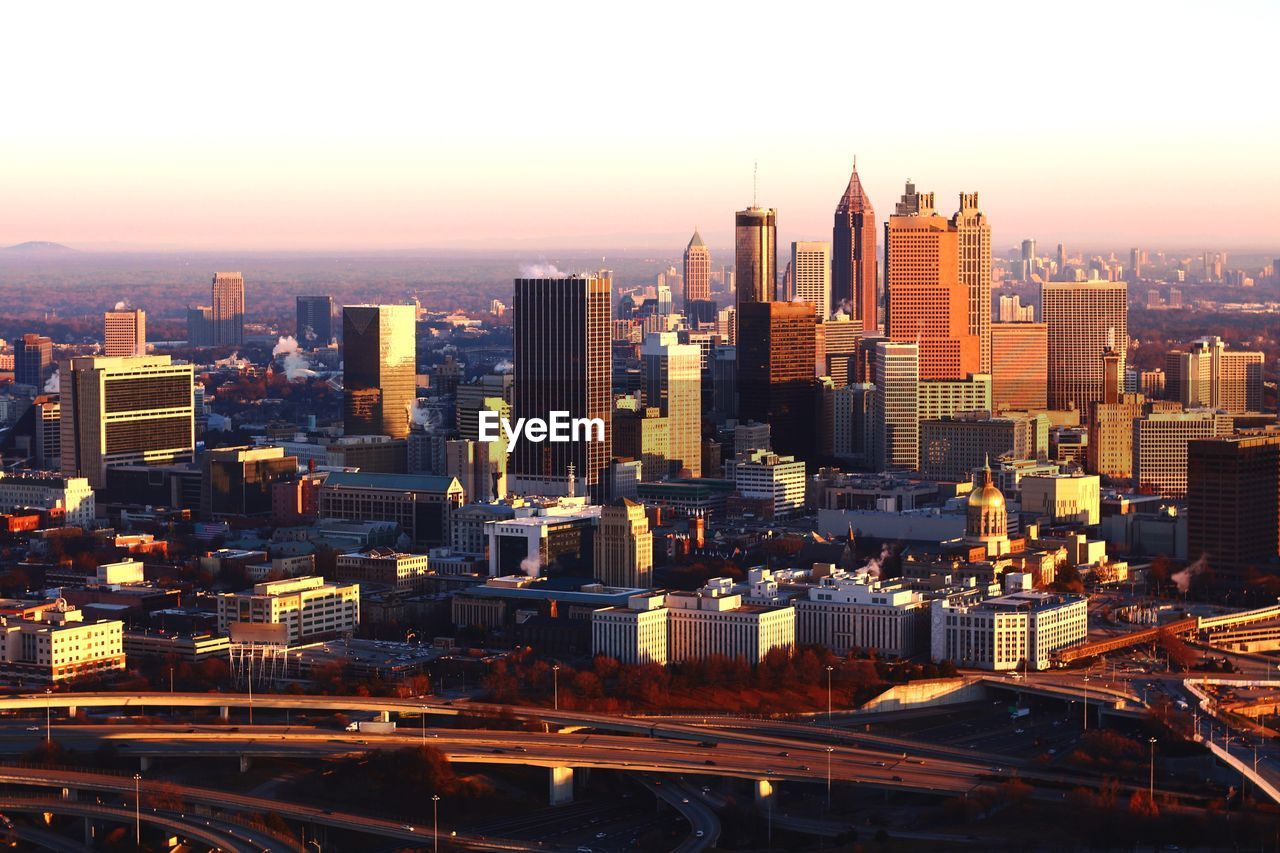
x=39, y=246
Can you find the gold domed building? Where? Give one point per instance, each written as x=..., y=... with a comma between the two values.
x=988, y=521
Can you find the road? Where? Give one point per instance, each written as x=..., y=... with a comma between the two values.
x=799, y=762
x=208, y=797
x=241, y=841
x=704, y=825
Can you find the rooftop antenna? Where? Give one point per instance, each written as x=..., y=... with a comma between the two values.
x=755, y=182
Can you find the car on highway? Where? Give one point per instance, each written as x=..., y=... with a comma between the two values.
x=33, y=728
x=600, y=835
x=699, y=833
x=406, y=827
x=897, y=778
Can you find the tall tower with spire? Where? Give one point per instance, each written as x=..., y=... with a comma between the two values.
x=697, y=271
x=975, y=270
x=853, y=256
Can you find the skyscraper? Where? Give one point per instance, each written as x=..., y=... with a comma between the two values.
x=926, y=301
x=777, y=348
x=895, y=415
x=672, y=374
x=314, y=329
x=379, y=367
x=853, y=256
x=562, y=363
x=624, y=546
x=1160, y=447
x=199, y=326
x=125, y=411
x=975, y=270
x=1206, y=374
x=228, y=309
x=1135, y=264
x=124, y=333
x=697, y=271
x=1028, y=258
x=1233, y=501
x=1019, y=366
x=33, y=361
x=756, y=254
x=811, y=275
x=1083, y=319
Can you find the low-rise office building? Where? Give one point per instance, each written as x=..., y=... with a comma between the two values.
x=305, y=607
x=56, y=644
x=1008, y=632
x=383, y=567
x=847, y=612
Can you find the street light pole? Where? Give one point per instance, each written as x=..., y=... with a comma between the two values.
x=830, y=750
x=137, y=809
x=555, y=681
x=435, y=822
x=1086, y=703
x=1151, y=778
x=424, y=726
x=829, y=671
x=48, y=715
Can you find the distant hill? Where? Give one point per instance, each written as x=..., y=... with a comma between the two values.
x=39, y=246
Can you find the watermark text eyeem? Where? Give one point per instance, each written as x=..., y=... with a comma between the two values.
x=560, y=428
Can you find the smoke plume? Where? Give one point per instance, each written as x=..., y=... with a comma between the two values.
x=296, y=366
x=427, y=417
x=530, y=566
x=54, y=383
x=540, y=271
x=504, y=366
x=1182, y=579
x=286, y=344
x=122, y=305
x=873, y=568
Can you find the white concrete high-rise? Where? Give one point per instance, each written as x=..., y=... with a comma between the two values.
x=811, y=274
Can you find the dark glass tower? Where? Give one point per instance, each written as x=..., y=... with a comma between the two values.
x=776, y=350
x=315, y=321
x=562, y=364
x=33, y=361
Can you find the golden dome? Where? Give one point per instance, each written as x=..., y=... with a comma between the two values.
x=988, y=496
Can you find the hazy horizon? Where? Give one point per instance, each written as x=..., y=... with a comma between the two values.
x=415, y=128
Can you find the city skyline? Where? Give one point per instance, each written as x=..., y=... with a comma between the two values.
x=341, y=162
x=390, y=409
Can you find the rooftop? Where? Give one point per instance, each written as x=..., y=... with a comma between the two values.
x=392, y=482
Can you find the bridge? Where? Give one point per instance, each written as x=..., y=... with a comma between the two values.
x=1125, y=641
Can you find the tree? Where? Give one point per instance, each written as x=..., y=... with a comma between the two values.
x=1141, y=805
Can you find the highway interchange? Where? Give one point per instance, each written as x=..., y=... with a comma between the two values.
x=665, y=755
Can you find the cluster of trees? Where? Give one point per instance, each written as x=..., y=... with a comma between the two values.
x=782, y=683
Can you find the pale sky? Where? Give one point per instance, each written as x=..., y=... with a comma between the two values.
x=624, y=125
